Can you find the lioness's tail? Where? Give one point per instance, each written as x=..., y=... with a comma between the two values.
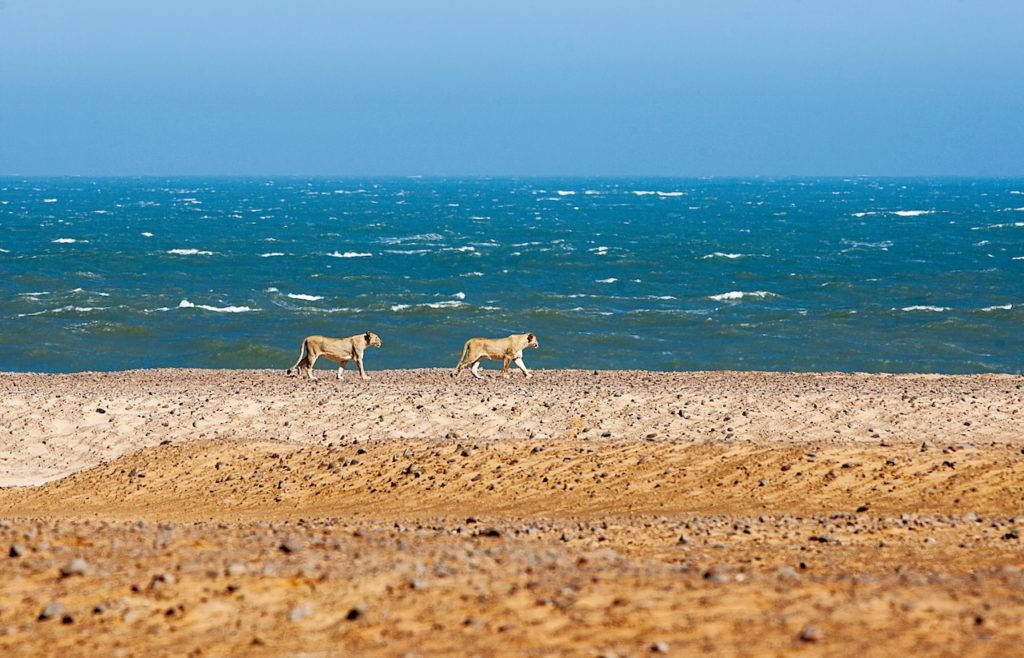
x=302, y=355
x=458, y=366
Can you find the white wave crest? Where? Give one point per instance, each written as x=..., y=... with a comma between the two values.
x=469, y=274
x=734, y=295
x=272, y=290
x=854, y=245
x=271, y=254
x=350, y=254
x=407, y=252
x=49, y=200
x=189, y=252
x=565, y=192
x=67, y=241
x=1002, y=307
x=90, y=292
x=719, y=254
x=600, y=251
x=147, y=234
x=919, y=307
x=65, y=309
x=216, y=309
x=608, y=280
x=444, y=304
x=912, y=213
x=305, y=298
x=1008, y=225
x=459, y=295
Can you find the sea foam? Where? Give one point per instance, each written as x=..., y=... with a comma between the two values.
x=350, y=254
x=719, y=254
x=919, y=307
x=216, y=309
x=189, y=252
x=305, y=298
x=735, y=295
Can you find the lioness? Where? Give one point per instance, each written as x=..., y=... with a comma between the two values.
x=341, y=350
x=509, y=350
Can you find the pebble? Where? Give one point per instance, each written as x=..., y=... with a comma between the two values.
x=299, y=613
x=54, y=609
x=659, y=647
x=291, y=545
x=77, y=567
x=236, y=569
x=17, y=550
x=812, y=634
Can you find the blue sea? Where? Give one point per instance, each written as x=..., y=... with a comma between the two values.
x=856, y=274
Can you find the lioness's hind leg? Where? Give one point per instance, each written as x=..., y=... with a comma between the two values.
x=476, y=369
x=341, y=368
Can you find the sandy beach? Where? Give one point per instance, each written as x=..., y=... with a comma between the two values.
x=227, y=512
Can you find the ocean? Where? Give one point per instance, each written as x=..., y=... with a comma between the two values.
x=792, y=274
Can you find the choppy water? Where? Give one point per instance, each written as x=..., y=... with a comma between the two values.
x=663, y=274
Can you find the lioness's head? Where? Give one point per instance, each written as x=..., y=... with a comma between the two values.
x=372, y=339
x=531, y=341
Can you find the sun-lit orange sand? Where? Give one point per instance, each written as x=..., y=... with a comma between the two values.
x=238, y=512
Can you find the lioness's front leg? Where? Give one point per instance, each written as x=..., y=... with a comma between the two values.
x=521, y=366
x=362, y=372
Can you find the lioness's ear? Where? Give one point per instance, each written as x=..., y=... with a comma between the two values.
x=367, y=337
x=531, y=337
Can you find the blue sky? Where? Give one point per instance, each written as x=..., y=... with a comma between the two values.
x=561, y=87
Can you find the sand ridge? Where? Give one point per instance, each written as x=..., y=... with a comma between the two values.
x=54, y=425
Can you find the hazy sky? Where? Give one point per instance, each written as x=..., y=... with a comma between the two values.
x=478, y=87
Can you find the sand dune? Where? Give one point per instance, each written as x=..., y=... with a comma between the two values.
x=238, y=512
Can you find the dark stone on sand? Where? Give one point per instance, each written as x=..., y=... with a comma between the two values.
x=291, y=545
x=54, y=609
x=811, y=634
